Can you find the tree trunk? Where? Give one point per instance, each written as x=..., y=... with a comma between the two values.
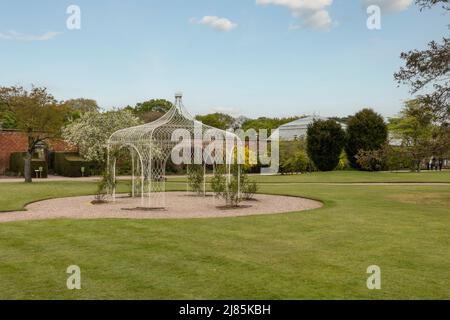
x=27, y=168
x=418, y=166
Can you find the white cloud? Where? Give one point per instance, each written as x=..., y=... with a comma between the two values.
x=13, y=35
x=318, y=20
x=311, y=13
x=389, y=5
x=222, y=24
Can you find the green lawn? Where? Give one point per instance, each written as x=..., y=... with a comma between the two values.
x=14, y=196
x=362, y=177
x=310, y=255
x=356, y=177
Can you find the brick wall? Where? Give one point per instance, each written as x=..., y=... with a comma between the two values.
x=16, y=141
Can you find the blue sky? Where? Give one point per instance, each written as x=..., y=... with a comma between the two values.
x=264, y=58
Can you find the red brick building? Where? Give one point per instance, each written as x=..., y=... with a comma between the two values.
x=12, y=141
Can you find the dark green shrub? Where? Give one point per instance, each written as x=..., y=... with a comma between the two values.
x=70, y=164
x=366, y=131
x=325, y=143
x=17, y=164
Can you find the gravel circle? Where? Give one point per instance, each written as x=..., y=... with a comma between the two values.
x=180, y=205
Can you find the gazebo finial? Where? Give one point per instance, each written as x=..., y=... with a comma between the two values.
x=178, y=97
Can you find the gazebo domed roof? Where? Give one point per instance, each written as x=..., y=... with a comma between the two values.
x=161, y=130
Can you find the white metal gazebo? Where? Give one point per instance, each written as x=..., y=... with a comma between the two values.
x=152, y=144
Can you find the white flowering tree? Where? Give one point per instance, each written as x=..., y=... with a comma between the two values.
x=90, y=133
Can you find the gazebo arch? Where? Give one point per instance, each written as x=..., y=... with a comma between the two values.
x=152, y=144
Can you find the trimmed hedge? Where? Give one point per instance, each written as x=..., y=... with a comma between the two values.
x=69, y=164
x=17, y=165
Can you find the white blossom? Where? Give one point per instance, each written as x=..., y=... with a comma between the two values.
x=91, y=132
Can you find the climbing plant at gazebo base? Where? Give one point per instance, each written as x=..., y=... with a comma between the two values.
x=196, y=176
x=233, y=189
x=104, y=186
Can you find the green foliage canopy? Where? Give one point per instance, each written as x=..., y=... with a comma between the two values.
x=420, y=136
x=151, y=110
x=427, y=72
x=366, y=131
x=325, y=142
x=217, y=120
x=37, y=113
x=266, y=123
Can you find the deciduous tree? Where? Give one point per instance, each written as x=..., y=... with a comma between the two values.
x=151, y=110
x=414, y=128
x=427, y=72
x=217, y=120
x=37, y=114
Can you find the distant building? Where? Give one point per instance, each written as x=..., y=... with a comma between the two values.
x=394, y=141
x=298, y=129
